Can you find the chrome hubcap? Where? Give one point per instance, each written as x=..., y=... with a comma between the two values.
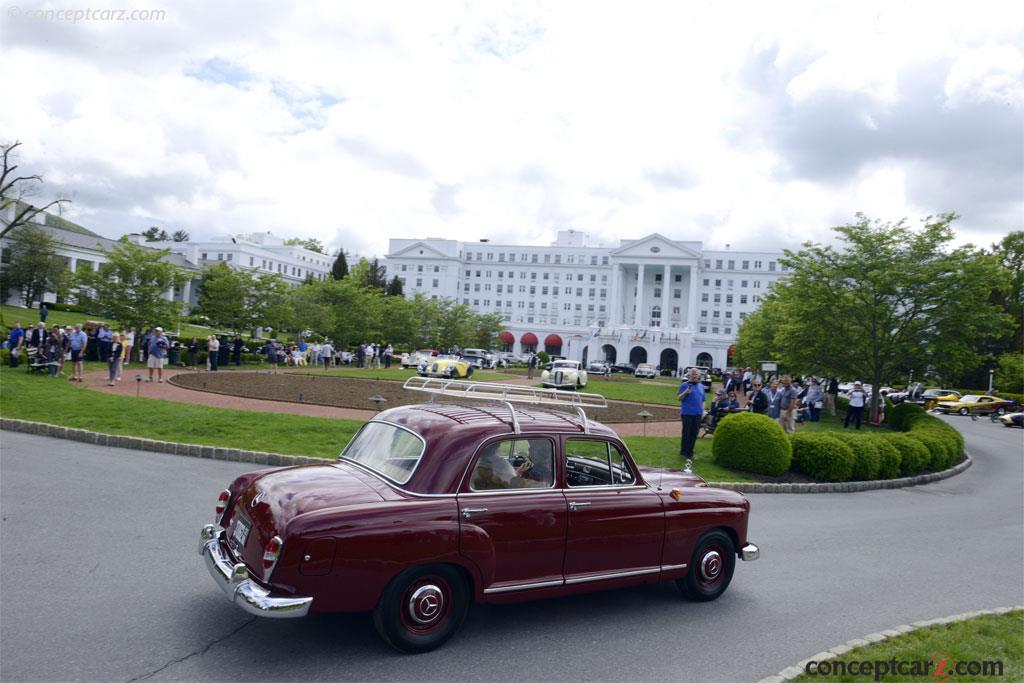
x=426, y=604
x=711, y=566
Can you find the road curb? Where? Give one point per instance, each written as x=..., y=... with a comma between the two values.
x=845, y=486
x=191, y=450
x=791, y=672
x=263, y=458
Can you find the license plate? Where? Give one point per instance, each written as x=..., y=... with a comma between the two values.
x=240, y=533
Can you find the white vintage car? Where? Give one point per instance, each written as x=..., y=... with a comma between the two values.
x=416, y=358
x=645, y=370
x=564, y=374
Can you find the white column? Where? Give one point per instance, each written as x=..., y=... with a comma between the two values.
x=666, y=296
x=613, y=297
x=691, y=312
x=186, y=294
x=639, y=316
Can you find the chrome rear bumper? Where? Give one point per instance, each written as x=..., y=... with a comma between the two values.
x=233, y=579
x=750, y=552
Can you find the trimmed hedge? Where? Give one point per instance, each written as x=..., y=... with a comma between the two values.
x=915, y=457
x=822, y=456
x=751, y=442
x=890, y=457
x=868, y=459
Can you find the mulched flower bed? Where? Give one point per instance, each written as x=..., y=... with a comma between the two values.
x=345, y=392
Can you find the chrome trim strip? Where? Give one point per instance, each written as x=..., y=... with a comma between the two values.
x=523, y=586
x=612, y=575
x=515, y=418
x=672, y=567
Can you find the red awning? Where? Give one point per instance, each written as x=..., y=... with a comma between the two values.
x=528, y=338
x=552, y=340
x=506, y=337
x=730, y=351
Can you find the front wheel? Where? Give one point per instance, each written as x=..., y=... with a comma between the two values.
x=1000, y=411
x=469, y=372
x=421, y=608
x=711, y=568
x=964, y=411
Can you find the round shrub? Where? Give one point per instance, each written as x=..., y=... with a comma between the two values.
x=751, y=442
x=936, y=445
x=868, y=459
x=822, y=456
x=899, y=414
x=889, y=457
x=914, y=457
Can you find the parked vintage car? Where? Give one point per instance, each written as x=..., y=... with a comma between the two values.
x=626, y=368
x=478, y=362
x=1012, y=419
x=432, y=507
x=564, y=374
x=481, y=358
x=452, y=367
x=598, y=367
x=974, y=404
x=416, y=358
x=645, y=370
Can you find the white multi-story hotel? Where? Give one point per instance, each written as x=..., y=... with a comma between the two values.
x=257, y=252
x=650, y=300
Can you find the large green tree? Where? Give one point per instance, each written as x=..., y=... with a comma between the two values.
x=888, y=299
x=131, y=286
x=31, y=265
x=369, y=274
x=239, y=301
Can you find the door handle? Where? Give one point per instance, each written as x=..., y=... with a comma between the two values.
x=469, y=512
x=574, y=506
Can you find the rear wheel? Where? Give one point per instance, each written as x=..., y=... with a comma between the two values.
x=963, y=411
x=421, y=608
x=1000, y=410
x=469, y=372
x=711, y=567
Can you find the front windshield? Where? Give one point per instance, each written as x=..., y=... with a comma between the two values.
x=565, y=364
x=390, y=451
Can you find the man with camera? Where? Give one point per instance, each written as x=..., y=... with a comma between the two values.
x=691, y=410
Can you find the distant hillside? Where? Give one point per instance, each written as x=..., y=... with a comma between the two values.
x=62, y=223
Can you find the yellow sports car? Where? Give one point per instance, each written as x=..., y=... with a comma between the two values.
x=976, y=405
x=933, y=397
x=451, y=367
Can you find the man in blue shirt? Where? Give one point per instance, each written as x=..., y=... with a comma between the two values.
x=691, y=410
x=14, y=342
x=158, y=345
x=105, y=338
x=79, y=341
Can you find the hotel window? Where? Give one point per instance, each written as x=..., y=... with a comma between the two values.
x=657, y=277
x=435, y=283
x=743, y=283
x=728, y=315
x=403, y=269
x=675, y=310
x=546, y=274
x=714, y=330
x=476, y=287
x=419, y=269
x=707, y=263
x=487, y=287
x=729, y=283
x=703, y=314
x=677, y=293
x=718, y=264
x=543, y=305
x=579, y=291
x=593, y=260
x=679, y=278
x=252, y=261
x=704, y=328
x=718, y=298
x=419, y=282
x=604, y=293
x=718, y=283
x=757, y=265
x=706, y=282
x=604, y=279
x=437, y=269
x=716, y=314
x=593, y=278
x=657, y=292
x=771, y=265
x=465, y=287
x=490, y=256
x=732, y=265
x=579, y=277
x=728, y=298
x=591, y=293
x=604, y=260
x=499, y=289
x=746, y=265
x=544, y=291
x=743, y=298
x=704, y=298
x=220, y=257
x=757, y=284
x=533, y=276
x=501, y=257
x=533, y=290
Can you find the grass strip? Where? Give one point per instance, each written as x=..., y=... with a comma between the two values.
x=57, y=401
x=969, y=643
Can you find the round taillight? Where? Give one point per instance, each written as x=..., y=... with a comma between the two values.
x=270, y=554
x=222, y=504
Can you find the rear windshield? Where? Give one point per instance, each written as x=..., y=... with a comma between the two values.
x=390, y=451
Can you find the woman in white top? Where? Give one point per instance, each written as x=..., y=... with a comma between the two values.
x=128, y=341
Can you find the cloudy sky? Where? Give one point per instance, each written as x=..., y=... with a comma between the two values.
x=756, y=124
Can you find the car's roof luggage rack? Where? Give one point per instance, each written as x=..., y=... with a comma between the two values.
x=509, y=394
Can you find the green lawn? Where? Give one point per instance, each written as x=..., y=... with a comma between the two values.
x=28, y=317
x=663, y=451
x=396, y=373
x=57, y=401
x=990, y=638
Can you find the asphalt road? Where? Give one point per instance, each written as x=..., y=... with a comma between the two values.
x=101, y=580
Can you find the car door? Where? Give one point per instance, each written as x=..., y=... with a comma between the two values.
x=616, y=525
x=512, y=517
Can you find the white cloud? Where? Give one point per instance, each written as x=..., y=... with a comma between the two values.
x=355, y=123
